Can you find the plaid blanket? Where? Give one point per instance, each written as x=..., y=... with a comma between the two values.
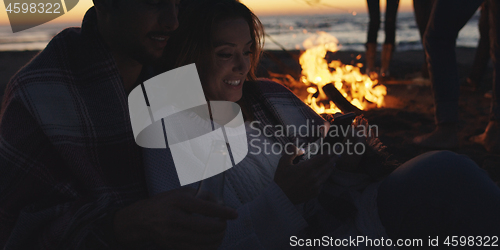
x=68, y=158
x=272, y=103
x=266, y=217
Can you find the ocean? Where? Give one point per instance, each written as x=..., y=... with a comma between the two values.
x=283, y=31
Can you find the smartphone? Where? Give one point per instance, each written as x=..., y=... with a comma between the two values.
x=337, y=127
x=339, y=124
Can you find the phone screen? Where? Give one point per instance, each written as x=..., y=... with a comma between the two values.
x=337, y=127
x=332, y=137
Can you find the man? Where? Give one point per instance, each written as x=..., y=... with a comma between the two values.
x=71, y=174
x=447, y=18
x=422, y=10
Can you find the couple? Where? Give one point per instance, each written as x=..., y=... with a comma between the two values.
x=72, y=176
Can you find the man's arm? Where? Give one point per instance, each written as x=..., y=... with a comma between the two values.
x=44, y=205
x=41, y=206
x=174, y=219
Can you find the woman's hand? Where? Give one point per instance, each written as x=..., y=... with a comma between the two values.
x=358, y=133
x=303, y=181
x=173, y=219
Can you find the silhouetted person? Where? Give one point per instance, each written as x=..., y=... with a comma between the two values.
x=447, y=19
x=422, y=9
x=390, y=35
x=482, y=56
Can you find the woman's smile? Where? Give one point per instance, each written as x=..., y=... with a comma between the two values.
x=224, y=70
x=233, y=83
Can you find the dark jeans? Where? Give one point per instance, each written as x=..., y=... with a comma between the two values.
x=441, y=194
x=389, y=23
x=447, y=19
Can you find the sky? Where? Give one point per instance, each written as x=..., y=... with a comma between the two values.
x=260, y=7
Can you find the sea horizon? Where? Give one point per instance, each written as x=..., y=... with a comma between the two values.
x=282, y=31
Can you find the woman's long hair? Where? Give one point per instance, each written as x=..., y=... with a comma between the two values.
x=197, y=20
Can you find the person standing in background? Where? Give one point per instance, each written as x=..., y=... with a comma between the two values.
x=422, y=10
x=390, y=35
x=482, y=52
x=448, y=17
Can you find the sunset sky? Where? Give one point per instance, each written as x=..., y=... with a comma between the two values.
x=260, y=7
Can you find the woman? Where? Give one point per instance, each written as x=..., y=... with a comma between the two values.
x=276, y=199
x=390, y=35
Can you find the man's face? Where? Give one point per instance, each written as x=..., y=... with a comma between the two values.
x=140, y=29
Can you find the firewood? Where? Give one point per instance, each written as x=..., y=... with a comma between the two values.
x=336, y=97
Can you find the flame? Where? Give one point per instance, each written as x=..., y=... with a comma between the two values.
x=357, y=88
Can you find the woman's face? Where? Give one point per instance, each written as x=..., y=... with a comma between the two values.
x=224, y=70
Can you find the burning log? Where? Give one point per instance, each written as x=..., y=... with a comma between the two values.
x=330, y=87
x=343, y=104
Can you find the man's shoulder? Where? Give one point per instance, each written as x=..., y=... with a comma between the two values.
x=52, y=63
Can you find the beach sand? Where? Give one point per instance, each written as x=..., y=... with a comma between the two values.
x=409, y=107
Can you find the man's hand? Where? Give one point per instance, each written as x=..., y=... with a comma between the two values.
x=174, y=219
x=303, y=181
x=362, y=135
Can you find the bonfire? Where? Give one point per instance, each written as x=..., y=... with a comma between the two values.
x=318, y=76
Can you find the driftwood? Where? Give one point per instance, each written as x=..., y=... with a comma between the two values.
x=343, y=104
